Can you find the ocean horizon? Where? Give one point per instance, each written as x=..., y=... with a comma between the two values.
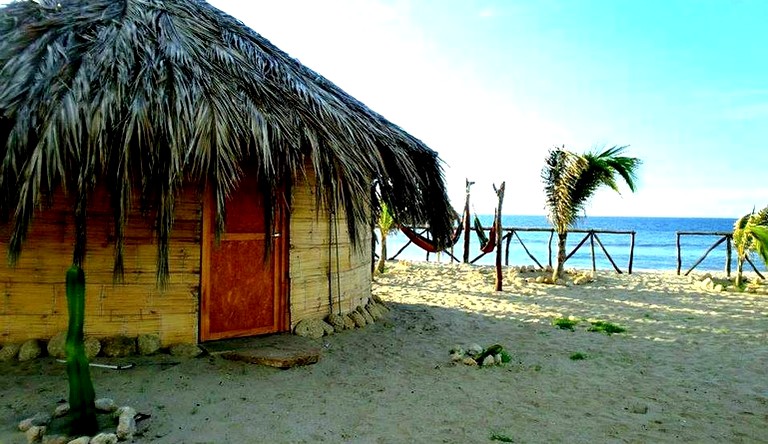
x=655, y=243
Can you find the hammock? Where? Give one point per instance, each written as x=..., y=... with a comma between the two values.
x=427, y=244
x=487, y=243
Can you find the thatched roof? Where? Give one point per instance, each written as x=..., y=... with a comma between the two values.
x=141, y=96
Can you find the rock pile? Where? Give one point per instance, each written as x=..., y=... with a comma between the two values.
x=111, y=347
x=36, y=427
x=475, y=355
x=335, y=323
x=706, y=282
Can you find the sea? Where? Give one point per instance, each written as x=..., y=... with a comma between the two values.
x=655, y=244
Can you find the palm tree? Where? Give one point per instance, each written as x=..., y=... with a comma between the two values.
x=386, y=226
x=571, y=179
x=750, y=234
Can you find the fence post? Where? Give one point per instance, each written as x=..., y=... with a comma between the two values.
x=728, y=256
x=631, y=252
x=679, y=259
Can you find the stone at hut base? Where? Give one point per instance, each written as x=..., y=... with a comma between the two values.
x=104, y=438
x=497, y=359
x=148, y=344
x=358, y=319
x=378, y=300
x=35, y=433
x=185, y=350
x=30, y=350
x=9, y=352
x=81, y=440
x=92, y=347
x=367, y=316
x=56, y=346
x=455, y=357
x=126, y=424
x=55, y=439
x=40, y=419
x=336, y=321
x=488, y=361
x=349, y=323
x=373, y=311
x=118, y=346
x=105, y=405
x=310, y=328
x=327, y=328
x=61, y=410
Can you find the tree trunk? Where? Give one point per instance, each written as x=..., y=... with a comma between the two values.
x=558, y=273
x=739, y=270
x=81, y=394
x=383, y=255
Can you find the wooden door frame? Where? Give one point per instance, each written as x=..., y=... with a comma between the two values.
x=279, y=255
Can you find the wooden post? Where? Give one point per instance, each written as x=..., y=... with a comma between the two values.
x=497, y=222
x=679, y=258
x=549, y=246
x=467, y=184
x=632, y=253
x=506, y=250
x=728, y=256
x=592, y=247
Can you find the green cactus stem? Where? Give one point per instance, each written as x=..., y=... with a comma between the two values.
x=81, y=394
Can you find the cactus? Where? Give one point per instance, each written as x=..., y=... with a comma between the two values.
x=81, y=394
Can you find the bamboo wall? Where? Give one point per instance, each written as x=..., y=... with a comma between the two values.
x=314, y=249
x=33, y=303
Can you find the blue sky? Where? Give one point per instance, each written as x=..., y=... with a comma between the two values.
x=492, y=85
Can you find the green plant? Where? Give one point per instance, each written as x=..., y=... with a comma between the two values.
x=500, y=437
x=571, y=179
x=750, y=234
x=565, y=323
x=578, y=356
x=606, y=327
x=386, y=226
x=82, y=411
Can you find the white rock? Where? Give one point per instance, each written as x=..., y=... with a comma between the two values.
x=457, y=349
x=126, y=424
x=55, y=439
x=474, y=349
x=488, y=361
x=35, y=433
x=104, y=438
x=61, y=410
x=105, y=405
x=719, y=287
x=81, y=440
x=469, y=361
x=40, y=419
x=455, y=357
x=497, y=359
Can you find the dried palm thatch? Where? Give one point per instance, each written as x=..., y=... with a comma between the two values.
x=141, y=96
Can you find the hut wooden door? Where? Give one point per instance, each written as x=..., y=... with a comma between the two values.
x=243, y=291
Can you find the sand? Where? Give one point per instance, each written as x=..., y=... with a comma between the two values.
x=692, y=366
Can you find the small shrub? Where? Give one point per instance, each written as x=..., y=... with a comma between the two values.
x=565, y=323
x=578, y=356
x=501, y=438
x=606, y=327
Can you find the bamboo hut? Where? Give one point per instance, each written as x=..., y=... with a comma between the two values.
x=210, y=185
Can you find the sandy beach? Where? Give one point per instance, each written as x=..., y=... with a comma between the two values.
x=692, y=366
